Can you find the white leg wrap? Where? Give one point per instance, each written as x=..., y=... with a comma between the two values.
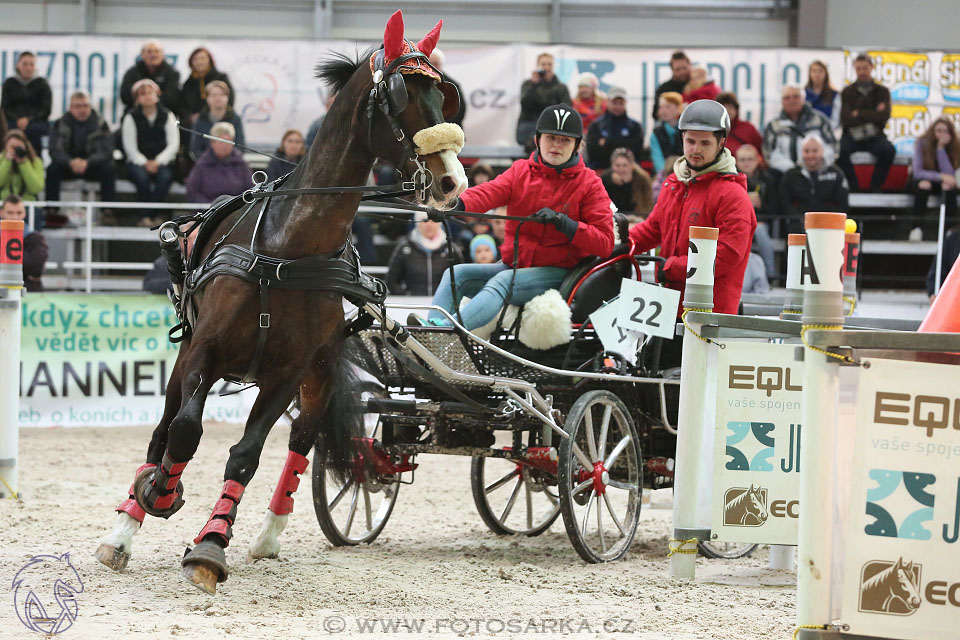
x=124, y=528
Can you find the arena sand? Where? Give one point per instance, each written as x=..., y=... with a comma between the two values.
x=435, y=562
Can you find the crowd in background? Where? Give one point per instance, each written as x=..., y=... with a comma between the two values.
x=800, y=162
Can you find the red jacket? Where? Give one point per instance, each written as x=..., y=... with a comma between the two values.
x=528, y=186
x=709, y=91
x=711, y=200
x=741, y=133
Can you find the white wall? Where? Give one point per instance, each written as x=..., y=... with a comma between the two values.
x=923, y=24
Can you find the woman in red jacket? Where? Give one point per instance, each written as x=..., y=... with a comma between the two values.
x=705, y=191
x=570, y=219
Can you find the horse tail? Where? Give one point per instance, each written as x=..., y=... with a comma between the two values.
x=342, y=423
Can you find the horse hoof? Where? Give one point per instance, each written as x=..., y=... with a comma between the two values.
x=141, y=487
x=112, y=557
x=204, y=566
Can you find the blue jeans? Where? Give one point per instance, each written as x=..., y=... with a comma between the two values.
x=487, y=286
x=150, y=188
x=761, y=238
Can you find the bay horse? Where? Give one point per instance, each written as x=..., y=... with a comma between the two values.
x=390, y=104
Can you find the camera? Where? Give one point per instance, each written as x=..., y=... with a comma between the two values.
x=20, y=152
x=541, y=72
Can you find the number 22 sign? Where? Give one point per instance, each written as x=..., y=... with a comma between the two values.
x=648, y=308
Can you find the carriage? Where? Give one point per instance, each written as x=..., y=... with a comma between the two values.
x=574, y=430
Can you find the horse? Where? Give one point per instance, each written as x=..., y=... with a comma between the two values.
x=390, y=104
x=895, y=589
x=747, y=509
x=45, y=593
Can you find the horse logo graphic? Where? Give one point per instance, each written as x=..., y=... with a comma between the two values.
x=890, y=587
x=745, y=507
x=45, y=594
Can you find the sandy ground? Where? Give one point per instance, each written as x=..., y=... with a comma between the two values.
x=435, y=562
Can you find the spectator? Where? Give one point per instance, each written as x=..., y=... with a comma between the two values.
x=762, y=190
x=152, y=66
x=150, y=143
x=755, y=277
x=221, y=169
x=865, y=109
x=81, y=146
x=680, y=67
x=614, y=129
x=35, y=249
x=418, y=261
x=741, y=131
x=951, y=250
x=666, y=140
x=193, y=96
x=820, y=93
x=483, y=249
x=542, y=90
x=663, y=174
x=936, y=159
x=439, y=60
x=218, y=110
x=627, y=184
x=26, y=101
x=589, y=103
x=782, y=135
x=157, y=280
x=21, y=170
x=700, y=87
x=480, y=173
x=315, y=125
x=498, y=228
x=288, y=154
x=813, y=186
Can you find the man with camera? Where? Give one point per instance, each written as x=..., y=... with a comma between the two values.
x=81, y=146
x=542, y=90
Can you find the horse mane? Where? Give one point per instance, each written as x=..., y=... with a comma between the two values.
x=736, y=501
x=880, y=579
x=336, y=69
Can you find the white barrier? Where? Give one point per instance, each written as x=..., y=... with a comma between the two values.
x=11, y=282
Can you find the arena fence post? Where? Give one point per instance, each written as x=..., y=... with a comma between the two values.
x=821, y=278
x=11, y=282
x=691, y=420
x=793, y=301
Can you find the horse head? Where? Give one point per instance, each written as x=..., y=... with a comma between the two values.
x=905, y=586
x=408, y=101
x=756, y=503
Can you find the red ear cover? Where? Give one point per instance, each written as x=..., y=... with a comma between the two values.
x=429, y=42
x=393, y=37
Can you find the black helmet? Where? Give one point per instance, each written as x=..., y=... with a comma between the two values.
x=705, y=115
x=562, y=120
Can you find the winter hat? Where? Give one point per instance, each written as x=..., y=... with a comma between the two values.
x=482, y=239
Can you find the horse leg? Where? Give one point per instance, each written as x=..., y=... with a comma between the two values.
x=314, y=396
x=117, y=546
x=206, y=564
x=158, y=490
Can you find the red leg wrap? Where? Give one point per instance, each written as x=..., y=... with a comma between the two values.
x=224, y=513
x=282, y=501
x=130, y=506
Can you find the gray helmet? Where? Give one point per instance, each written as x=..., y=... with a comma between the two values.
x=705, y=115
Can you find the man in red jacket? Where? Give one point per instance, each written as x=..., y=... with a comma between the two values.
x=570, y=218
x=705, y=191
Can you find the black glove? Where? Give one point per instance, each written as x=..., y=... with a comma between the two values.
x=661, y=275
x=437, y=215
x=563, y=223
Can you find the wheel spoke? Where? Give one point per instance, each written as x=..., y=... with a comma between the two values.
x=612, y=458
x=336, y=500
x=603, y=542
x=502, y=481
x=366, y=506
x=617, y=484
x=583, y=485
x=616, y=520
x=591, y=442
x=353, y=510
x=604, y=426
x=526, y=488
x=586, y=515
x=513, y=498
x=581, y=456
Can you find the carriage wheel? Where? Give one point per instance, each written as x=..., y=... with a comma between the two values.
x=599, y=477
x=357, y=511
x=725, y=550
x=512, y=498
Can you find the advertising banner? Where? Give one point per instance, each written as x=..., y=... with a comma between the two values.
x=901, y=570
x=757, y=445
x=103, y=360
